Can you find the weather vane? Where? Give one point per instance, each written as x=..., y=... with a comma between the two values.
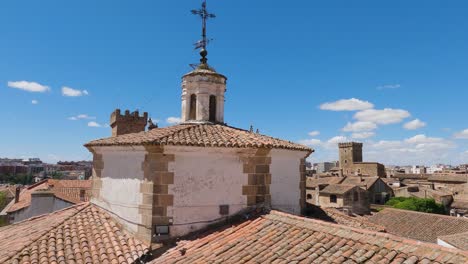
x=201, y=44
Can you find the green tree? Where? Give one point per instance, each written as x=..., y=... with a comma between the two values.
x=3, y=200
x=417, y=204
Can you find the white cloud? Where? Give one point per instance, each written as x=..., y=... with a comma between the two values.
x=29, y=86
x=462, y=134
x=81, y=116
x=387, y=144
x=415, y=124
x=359, y=126
x=67, y=91
x=423, y=139
x=173, y=120
x=34, y=102
x=310, y=142
x=337, y=139
x=383, y=117
x=93, y=124
x=352, y=104
x=362, y=135
x=388, y=86
x=314, y=133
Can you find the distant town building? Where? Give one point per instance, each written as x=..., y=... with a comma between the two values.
x=323, y=167
x=351, y=161
x=417, y=169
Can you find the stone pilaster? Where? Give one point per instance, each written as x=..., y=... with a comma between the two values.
x=257, y=168
x=98, y=166
x=155, y=188
x=302, y=183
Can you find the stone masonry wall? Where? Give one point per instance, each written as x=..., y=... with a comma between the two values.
x=155, y=189
x=257, y=168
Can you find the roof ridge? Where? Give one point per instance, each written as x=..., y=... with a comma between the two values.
x=424, y=213
x=360, y=231
x=84, y=206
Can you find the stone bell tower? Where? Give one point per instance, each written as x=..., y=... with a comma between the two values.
x=203, y=88
x=203, y=95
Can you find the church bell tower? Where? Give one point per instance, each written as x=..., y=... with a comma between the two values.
x=203, y=88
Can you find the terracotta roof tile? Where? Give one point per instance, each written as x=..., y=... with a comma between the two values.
x=460, y=204
x=201, y=135
x=336, y=216
x=337, y=189
x=283, y=238
x=459, y=241
x=419, y=226
x=79, y=234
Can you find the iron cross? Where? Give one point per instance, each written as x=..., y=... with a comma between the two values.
x=203, y=13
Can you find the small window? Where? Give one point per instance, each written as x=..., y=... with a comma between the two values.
x=212, y=108
x=346, y=161
x=193, y=107
x=161, y=230
x=333, y=198
x=309, y=196
x=224, y=209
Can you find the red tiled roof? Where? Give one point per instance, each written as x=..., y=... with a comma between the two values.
x=200, y=135
x=365, y=182
x=283, y=238
x=419, y=226
x=459, y=204
x=79, y=234
x=312, y=182
x=337, y=189
x=459, y=241
x=352, y=221
x=67, y=190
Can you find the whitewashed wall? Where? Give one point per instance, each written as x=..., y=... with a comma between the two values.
x=121, y=179
x=285, y=179
x=204, y=179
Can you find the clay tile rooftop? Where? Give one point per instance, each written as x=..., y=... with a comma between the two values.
x=283, y=238
x=419, y=226
x=201, y=135
x=79, y=234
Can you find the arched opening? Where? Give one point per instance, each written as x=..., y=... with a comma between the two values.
x=212, y=108
x=193, y=107
x=309, y=196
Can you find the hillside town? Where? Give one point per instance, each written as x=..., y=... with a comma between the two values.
x=204, y=191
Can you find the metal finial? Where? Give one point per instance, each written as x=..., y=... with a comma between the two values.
x=201, y=44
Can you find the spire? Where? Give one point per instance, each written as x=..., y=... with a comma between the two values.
x=201, y=44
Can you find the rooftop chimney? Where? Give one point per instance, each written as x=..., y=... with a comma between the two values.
x=82, y=195
x=127, y=123
x=17, y=193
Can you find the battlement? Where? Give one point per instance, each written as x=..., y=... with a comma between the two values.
x=350, y=145
x=128, y=122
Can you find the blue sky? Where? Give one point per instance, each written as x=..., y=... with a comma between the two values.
x=284, y=59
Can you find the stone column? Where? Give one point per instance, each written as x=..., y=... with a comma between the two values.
x=203, y=107
x=220, y=108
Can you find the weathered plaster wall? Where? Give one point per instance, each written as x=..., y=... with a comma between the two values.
x=118, y=189
x=324, y=201
x=204, y=179
x=286, y=178
x=39, y=206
